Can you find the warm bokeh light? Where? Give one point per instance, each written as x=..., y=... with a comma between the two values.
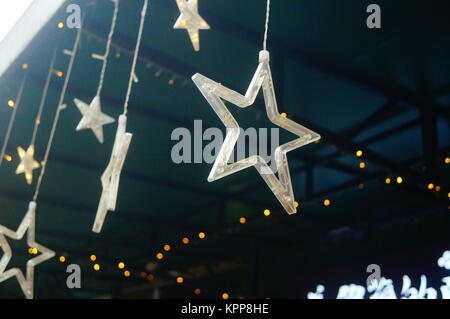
x=127, y=273
x=60, y=25
x=8, y=158
x=96, y=267
x=11, y=103
x=399, y=180
x=327, y=202
x=143, y=274
x=430, y=186
x=35, y=251
x=166, y=247
x=121, y=265
x=185, y=240
x=150, y=277
x=295, y=204
x=266, y=212
x=62, y=259
x=180, y=280
x=159, y=256
x=59, y=74
x=388, y=180
x=201, y=235
x=242, y=220
x=25, y=66
x=197, y=291
x=225, y=295
x=362, y=165
x=359, y=153
x=283, y=114
x=437, y=188
x=93, y=258
x=171, y=82
x=447, y=160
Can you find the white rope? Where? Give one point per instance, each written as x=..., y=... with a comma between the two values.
x=136, y=53
x=266, y=27
x=37, y=122
x=12, y=119
x=108, y=46
x=58, y=111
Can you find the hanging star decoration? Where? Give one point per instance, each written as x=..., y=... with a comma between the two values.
x=111, y=176
x=27, y=225
x=93, y=117
x=190, y=20
x=215, y=92
x=27, y=163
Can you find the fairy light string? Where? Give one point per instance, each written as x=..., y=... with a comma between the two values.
x=135, y=57
x=59, y=108
x=12, y=119
x=108, y=46
x=266, y=26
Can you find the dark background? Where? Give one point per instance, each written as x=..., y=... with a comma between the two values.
x=385, y=92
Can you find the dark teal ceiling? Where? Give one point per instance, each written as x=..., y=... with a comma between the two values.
x=384, y=91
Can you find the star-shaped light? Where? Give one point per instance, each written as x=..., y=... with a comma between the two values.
x=190, y=19
x=111, y=176
x=28, y=224
x=93, y=117
x=215, y=92
x=27, y=163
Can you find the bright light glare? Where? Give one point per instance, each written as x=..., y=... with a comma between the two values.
x=10, y=12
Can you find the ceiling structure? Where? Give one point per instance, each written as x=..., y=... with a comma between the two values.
x=385, y=92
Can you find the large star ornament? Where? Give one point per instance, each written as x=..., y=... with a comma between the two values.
x=93, y=117
x=27, y=163
x=190, y=19
x=215, y=92
x=111, y=176
x=28, y=224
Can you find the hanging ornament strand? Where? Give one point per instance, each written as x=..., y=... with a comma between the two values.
x=27, y=162
x=12, y=119
x=266, y=26
x=59, y=108
x=111, y=176
x=93, y=117
x=108, y=46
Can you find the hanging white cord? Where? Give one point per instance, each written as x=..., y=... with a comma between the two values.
x=108, y=46
x=136, y=53
x=12, y=119
x=266, y=27
x=37, y=122
x=58, y=111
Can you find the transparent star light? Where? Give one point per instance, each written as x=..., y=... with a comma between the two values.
x=190, y=20
x=214, y=93
x=27, y=225
x=27, y=163
x=111, y=176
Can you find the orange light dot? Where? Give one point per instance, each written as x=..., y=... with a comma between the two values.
x=201, y=235
x=362, y=165
x=283, y=114
x=30, y=251
x=159, y=256
x=59, y=74
x=166, y=247
x=430, y=186
x=447, y=160
x=25, y=66
x=126, y=273
x=11, y=103
x=143, y=274
x=242, y=220
x=225, y=295
x=62, y=259
x=8, y=158
x=121, y=265
x=359, y=153
x=180, y=280
x=197, y=291
x=266, y=212
x=96, y=267
x=185, y=240
x=150, y=277
x=295, y=204
x=93, y=258
x=171, y=82
x=327, y=202
x=437, y=188
x=35, y=251
x=388, y=180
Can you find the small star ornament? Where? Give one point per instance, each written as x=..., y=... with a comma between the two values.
x=215, y=93
x=27, y=163
x=28, y=225
x=111, y=176
x=190, y=20
x=93, y=117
